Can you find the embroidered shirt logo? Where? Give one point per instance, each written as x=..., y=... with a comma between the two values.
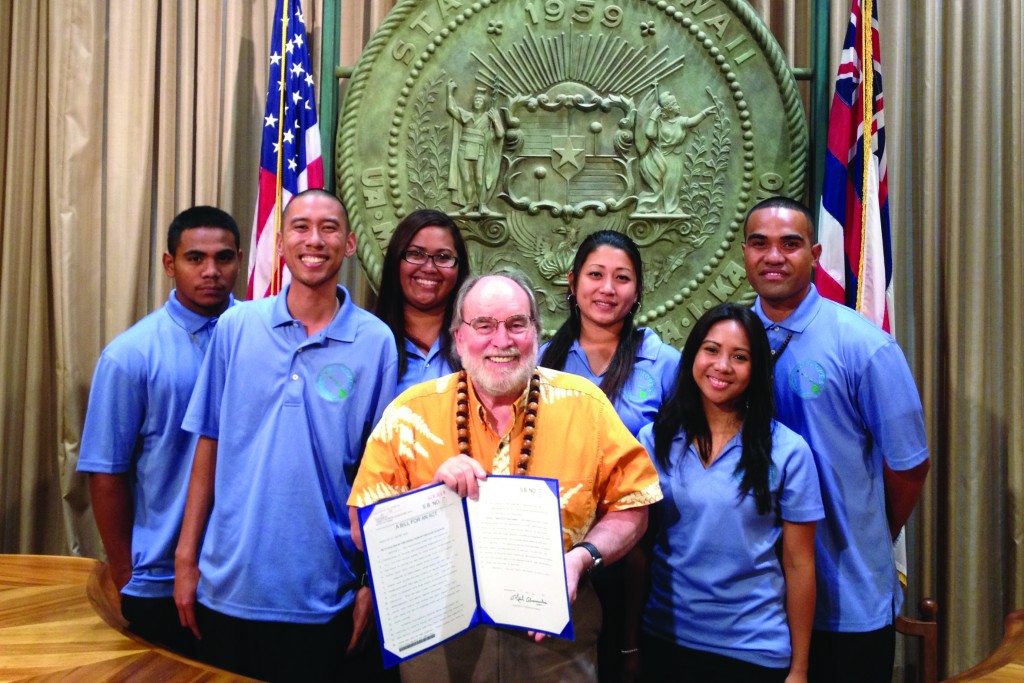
x=643, y=385
x=807, y=379
x=334, y=382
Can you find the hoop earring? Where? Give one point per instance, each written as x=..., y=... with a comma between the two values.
x=636, y=307
x=571, y=299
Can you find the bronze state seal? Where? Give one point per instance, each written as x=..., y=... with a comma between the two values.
x=536, y=122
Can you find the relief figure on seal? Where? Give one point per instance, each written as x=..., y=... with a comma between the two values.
x=476, y=151
x=659, y=140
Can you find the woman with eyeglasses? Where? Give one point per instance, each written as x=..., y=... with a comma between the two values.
x=424, y=265
x=633, y=367
x=732, y=565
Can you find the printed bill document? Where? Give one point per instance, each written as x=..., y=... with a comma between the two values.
x=440, y=565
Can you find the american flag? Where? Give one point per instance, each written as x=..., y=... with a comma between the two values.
x=290, y=158
x=853, y=226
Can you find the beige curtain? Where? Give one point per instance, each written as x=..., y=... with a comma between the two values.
x=153, y=107
x=117, y=115
x=955, y=91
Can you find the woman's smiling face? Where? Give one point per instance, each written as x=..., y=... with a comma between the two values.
x=425, y=286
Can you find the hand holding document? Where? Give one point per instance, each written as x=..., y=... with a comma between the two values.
x=440, y=564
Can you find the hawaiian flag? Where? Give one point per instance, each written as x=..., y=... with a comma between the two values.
x=290, y=158
x=853, y=226
x=855, y=267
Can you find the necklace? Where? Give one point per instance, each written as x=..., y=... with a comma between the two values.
x=529, y=421
x=778, y=352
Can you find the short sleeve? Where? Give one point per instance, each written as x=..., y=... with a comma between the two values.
x=891, y=408
x=202, y=416
x=629, y=479
x=114, y=417
x=800, y=491
x=381, y=473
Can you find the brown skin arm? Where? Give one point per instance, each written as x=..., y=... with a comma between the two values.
x=197, y=513
x=613, y=535
x=637, y=588
x=111, y=496
x=902, y=491
x=798, y=567
x=362, y=614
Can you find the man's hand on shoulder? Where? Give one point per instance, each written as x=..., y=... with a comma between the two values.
x=461, y=473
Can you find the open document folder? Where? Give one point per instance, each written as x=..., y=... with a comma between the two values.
x=440, y=565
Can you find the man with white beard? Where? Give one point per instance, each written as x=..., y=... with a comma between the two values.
x=504, y=415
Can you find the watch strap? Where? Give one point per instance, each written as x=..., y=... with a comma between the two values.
x=594, y=553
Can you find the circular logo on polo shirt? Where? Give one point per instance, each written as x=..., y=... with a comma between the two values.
x=643, y=385
x=807, y=379
x=335, y=381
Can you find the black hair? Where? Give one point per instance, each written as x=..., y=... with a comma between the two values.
x=621, y=366
x=391, y=301
x=684, y=411
x=317, y=192
x=200, y=217
x=781, y=202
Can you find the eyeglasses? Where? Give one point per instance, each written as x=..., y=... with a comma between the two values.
x=514, y=325
x=441, y=260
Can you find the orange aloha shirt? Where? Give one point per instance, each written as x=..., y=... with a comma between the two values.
x=579, y=440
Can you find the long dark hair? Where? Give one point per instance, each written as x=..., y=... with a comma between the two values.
x=684, y=411
x=630, y=338
x=391, y=302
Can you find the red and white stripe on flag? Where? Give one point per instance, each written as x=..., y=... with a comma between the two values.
x=855, y=267
x=853, y=225
x=290, y=158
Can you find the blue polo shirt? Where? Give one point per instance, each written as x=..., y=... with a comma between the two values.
x=291, y=414
x=139, y=393
x=844, y=385
x=421, y=367
x=650, y=385
x=717, y=583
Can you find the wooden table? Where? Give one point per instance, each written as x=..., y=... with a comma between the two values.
x=60, y=620
x=1007, y=662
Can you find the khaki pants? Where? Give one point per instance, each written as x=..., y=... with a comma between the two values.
x=488, y=654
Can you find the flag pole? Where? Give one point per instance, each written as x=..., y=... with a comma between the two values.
x=867, y=69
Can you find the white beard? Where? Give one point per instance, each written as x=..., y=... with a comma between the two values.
x=501, y=381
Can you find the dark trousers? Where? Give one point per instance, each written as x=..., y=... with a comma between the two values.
x=610, y=585
x=852, y=657
x=156, y=620
x=279, y=651
x=666, y=661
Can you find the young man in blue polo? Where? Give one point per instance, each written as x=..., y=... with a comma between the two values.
x=137, y=456
x=844, y=386
x=267, y=575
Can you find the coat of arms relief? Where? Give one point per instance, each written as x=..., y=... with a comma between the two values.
x=535, y=123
